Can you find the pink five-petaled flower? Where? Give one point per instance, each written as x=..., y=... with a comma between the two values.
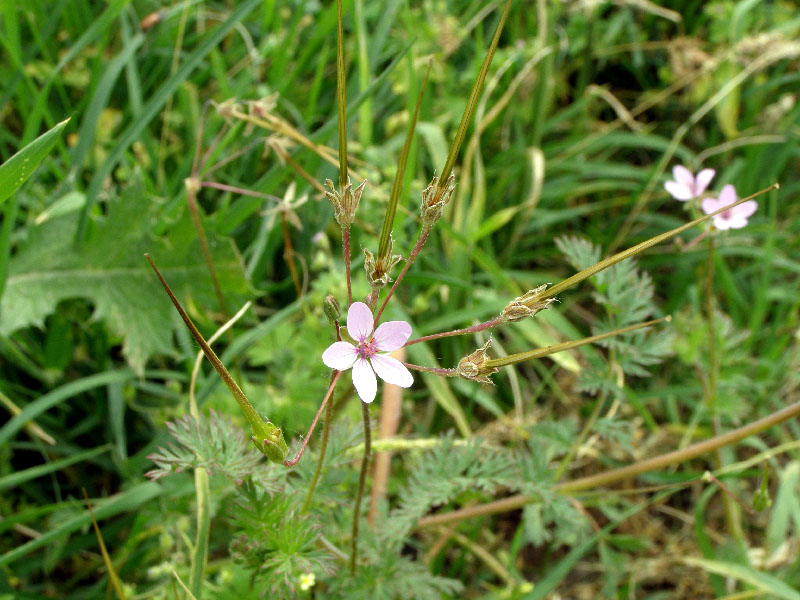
x=733, y=218
x=686, y=186
x=364, y=357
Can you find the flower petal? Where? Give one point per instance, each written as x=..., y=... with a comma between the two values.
x=340, y=356
x=709, y=205
x=678, y=190
x=727, y=195
x=359, y=321
x=392, y=370
x=683, y=175
x=746, y=209
x=737, y=222
x=721, y=223
x=364, y=380
x=704, y=177
x=392, y=335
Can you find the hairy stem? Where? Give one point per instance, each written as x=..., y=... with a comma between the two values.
x=299, y=455
x=362, y=478
x=645, y=466
x=474, y=329
x=434, y=370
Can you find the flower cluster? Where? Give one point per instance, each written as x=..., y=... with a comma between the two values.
x=686, y=186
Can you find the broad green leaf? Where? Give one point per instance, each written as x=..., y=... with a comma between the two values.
x=110, y=271
x=16, y=170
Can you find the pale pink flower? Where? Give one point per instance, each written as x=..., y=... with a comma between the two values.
x=733, y=218
x=364, y=357
x=686, y=186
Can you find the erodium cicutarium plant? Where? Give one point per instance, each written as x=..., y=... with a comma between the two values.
x=296, y=518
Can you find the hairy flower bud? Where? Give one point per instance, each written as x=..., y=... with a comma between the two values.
x=345, y=203
x=473, y=366
x=526, y=305
x=433, y=201
x=332, y=309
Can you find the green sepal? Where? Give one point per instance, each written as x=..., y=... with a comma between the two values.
x=268, y=438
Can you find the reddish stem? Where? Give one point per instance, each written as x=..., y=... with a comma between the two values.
x=434, y=370
x=298, y=456
x=423, y=235
x=474, y=329
x=346, y=253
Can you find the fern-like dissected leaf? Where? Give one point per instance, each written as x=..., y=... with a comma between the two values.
x=442, y=474
x=626, y=295
x=212, y=442
x=109, y=270
x=275, y=543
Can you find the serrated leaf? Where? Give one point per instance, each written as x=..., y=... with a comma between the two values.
x=110, y=271
x=16, y=170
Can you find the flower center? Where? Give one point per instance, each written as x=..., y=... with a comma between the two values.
x=367, y=348
x=726, y=214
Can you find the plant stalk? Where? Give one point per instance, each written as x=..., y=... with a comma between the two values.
x=362, y=478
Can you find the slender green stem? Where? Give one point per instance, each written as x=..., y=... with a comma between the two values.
x=645, y=466
x=341, y=94
x=513, y=359
x=384, y=246
x=247, y=409
x=323, y=447
x=346, y=254
x=362, y=478
x=191, y=198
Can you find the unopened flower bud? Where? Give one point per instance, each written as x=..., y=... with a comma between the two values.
x=527, y=305
x=434, y=201
x=473, y=366
x=332, y=309
x=346, y=202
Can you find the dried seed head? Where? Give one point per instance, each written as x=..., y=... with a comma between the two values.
x=527, y=305
x=227, y=108
x=473, y=366
x=345, y=203
x=433, y=202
